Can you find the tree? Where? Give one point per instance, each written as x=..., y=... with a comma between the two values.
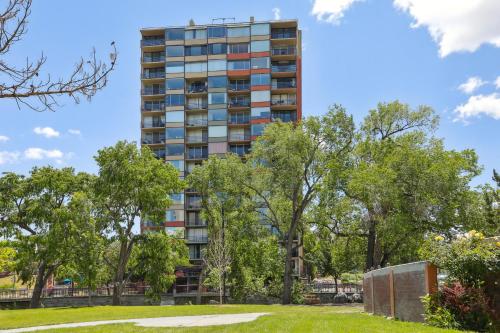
x=35, y=209
x=290, y=164
x=403, y=183
x=26, y=85
x=157, y=256
x=7, y=257
x=131, y=184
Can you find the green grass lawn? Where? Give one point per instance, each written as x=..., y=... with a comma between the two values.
x=280, y=319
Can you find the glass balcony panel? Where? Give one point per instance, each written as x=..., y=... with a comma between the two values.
x=283, y=50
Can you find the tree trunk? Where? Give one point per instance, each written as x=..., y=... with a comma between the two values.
x=200, y=285
x=221, y=292
x=120, y=273
x=370, y=250
x=287, y=279
x=336, y=285
x=41, y=279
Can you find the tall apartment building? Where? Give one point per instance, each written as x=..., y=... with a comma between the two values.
x=211, y=89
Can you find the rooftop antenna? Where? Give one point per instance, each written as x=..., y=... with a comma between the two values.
x=223, y=19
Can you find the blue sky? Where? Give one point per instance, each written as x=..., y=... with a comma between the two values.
x=356, y=53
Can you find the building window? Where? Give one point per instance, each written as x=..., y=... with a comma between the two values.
x=258, y=129
x=174, y=100
x=175, y=67
x=174, y=117
x=196, y=50
x=217, y=98
x=260, y=29
x=238, y=48
x=261, y=96
x=261, y=113
x=238, y=32
x=175, y=149
x=179, y=165
x=259, y=63
x=173, y=215
x=175, y=133
x=217, y=48
x=175, y=51
x=216, y=32
x=195, y=34
x=217, y=115
x=195, y=67
x=238, y=65
x=177, y=198
x=174, y=34
x=260, y=80
x=260, y=46
x=217, y=81
x=216, y=65
x=175, y=84
x=217, y=131
x=153, y=56
x=154, y=105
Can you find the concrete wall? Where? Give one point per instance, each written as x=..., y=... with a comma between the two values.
x=395, y=291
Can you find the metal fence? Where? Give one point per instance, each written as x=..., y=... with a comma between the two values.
x=7, y=294
x=328, y=288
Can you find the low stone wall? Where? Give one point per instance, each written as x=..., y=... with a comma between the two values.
x=395, y=291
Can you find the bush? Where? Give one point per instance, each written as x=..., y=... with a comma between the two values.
x=437, y=315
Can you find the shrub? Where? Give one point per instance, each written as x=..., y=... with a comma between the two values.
x=437, y=315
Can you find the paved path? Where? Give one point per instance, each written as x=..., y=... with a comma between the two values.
x=184, y=321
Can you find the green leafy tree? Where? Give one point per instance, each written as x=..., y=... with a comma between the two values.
x=35, y=210
x=156, y=257
x=290, y=164
x=403, y=184
x=131, y=184
x=7, y=257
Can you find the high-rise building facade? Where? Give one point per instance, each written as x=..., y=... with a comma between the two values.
x=211, y=89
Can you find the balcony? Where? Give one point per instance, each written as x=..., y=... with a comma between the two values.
x=153, y=91
x=240, y=150
x=284, y=84
x=151, y=59
x=283, y=51
x=160, y=154
x=196, y=88
x=239, y=137
x=284, y=117
x=197, y=155
x=239, y=86
x=197, y=105
x=153, y=42
x=239, y=120
x=193, y=202
x=196, y=122
x=153, y=141
x=283, y=33
x=196, y=223
x=283, y=68
x=283, y=102
x=197, y=239
x=153, y=75
x=239, y=103
x=197, y=138
x=153, y=107
x=154, y=124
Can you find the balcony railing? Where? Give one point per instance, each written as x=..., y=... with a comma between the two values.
x=283, y=84
x=153, y=91
x=285, y=50
x=239, y=137
x=196, y=106
x=238, y=103
x=283, y=34
x=197, y=154
x=153, y=107
x=239, y=120
x=197, y=239
x=240, y=151
x=159, y=154
x=239, y=86
x=288, y=101
x=196, y=223
x=153, y=59
x=197, y=122
x=153, y=42
x=154, y=124
x=197, y=138
x=196, y=89
x=153, y=75
x=283, y=68
x=284, y=117
x=153, y=141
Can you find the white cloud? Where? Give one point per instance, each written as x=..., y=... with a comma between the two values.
x=456, y=25
x=331, y=11
x=471, y=85
x=478, y=105
x=8, y=157
x=497, y=82
x=39, y=154
x=4, y=138
x=277, y=13
x=47, y=132
x=75, y=131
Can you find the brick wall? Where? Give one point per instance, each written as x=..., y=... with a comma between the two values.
x=395, y=291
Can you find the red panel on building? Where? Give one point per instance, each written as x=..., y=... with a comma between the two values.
x=260, y=121
x=299, y=88
x=260, y=88
x=260, y=104
x=175, y=224
x=261, y=54
x=236, y=56
x=241, y=72
x=261, y=71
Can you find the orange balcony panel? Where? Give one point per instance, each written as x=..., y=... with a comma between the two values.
x=260, y=121
x=254, y=137
x=241, y=72
x=261, y=54
x=261, y=71
x=260, y=104
x=175, y=224
x=260, y=88
x=236, y=56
